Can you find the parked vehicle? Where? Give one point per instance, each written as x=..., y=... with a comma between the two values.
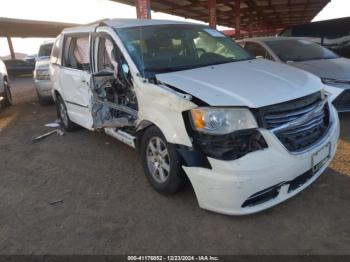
x=333, y=34
x=17, y=67
x=248, y=133
x=41, y=73
x=5, y=90
x=333, y=70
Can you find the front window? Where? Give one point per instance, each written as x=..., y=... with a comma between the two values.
x=168, y=48
x=294, y=50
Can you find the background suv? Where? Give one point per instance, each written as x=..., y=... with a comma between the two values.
x=41, y=73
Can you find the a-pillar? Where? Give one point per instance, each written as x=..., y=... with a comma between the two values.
x=143, y=9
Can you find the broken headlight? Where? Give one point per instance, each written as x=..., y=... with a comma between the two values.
x=221, y=121
x=225, y=133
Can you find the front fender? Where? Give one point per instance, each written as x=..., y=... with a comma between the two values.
x=164, y=109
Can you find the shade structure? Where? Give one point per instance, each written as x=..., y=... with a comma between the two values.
x=270, y=14
x=10, y=27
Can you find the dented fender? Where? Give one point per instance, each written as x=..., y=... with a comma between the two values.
x=164, y=109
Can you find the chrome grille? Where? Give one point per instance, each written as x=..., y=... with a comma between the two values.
x=300, y=123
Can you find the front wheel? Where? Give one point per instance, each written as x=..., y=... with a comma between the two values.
x=7, y=95
x=161, y=162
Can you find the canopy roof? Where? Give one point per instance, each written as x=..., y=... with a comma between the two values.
x=272, y=13
x=30, y=28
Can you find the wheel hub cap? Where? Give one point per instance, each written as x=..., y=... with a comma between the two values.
x=158, y=159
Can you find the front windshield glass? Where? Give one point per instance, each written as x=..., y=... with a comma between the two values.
x=299, y=50
x=169, y=48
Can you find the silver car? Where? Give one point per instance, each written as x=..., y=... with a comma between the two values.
x=5, y=91
x=309, y=56
x=41, y=73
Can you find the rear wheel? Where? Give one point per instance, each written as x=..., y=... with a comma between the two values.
x=161, y=162
x=63, y=116
x=7, y=95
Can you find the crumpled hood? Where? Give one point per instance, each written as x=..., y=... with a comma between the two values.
x=338, y=68
x=254, y=83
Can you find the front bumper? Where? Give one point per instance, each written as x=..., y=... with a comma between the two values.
x=44, y=88
x=229, y=184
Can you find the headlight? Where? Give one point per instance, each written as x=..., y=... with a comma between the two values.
x=221, y=121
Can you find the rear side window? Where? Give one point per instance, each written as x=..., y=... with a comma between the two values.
x=45, y=50
x=56, y=52
x=76, y=53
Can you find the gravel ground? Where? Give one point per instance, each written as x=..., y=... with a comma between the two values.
x=105, y=206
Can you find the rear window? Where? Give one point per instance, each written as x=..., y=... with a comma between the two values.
x=45, y=50
x=299, y=50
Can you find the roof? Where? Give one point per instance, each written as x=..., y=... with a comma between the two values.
x=332, y=28
x=274, y=13
x=30, y=28
x=123, y=23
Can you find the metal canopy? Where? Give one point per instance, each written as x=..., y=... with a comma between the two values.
x=272, y=14
x=29, y=28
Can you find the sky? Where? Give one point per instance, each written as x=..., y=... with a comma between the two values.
x=86, y=11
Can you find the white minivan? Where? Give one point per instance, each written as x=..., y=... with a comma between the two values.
x=247, y=133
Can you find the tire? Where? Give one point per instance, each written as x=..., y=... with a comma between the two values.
x=161, y=162
x=7, y=95
x=62, y=114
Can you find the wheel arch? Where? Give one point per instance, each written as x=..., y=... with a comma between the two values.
x=55, y=94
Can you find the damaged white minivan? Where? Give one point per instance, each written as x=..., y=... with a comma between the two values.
x=248, y=133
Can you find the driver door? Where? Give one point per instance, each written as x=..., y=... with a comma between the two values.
x=111, y=82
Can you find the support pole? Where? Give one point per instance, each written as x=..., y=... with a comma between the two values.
x=143, y=9
x=238, y=18
x=212, y=13
x=12, y=52
x=250, y=24
x=260, y=22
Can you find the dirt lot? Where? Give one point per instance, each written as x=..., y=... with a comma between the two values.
x=106, y=206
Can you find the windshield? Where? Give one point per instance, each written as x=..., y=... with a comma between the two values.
x=299, y=50
x=45, y=50
x=168, y=48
